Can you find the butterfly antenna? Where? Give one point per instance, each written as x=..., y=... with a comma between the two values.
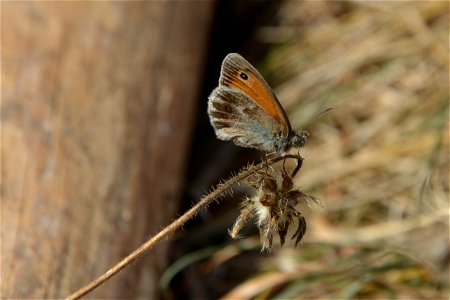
x=316, y=117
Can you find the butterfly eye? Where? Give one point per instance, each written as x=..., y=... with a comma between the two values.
x=243, y=76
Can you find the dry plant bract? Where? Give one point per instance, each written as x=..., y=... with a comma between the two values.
x=274, y=207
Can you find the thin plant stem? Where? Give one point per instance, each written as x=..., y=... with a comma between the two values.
x=204, y=202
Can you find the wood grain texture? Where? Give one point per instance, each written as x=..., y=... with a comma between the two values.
x=97, y=105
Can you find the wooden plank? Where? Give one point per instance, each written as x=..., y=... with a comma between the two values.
x=97, y=108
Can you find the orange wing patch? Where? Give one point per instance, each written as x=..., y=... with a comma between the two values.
x=258, y=91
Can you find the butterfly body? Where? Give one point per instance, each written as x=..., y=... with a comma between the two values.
x=244, y=109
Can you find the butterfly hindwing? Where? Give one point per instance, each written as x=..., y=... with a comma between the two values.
x=236, y=117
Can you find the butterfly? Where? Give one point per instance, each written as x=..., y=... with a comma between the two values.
x=244, y=109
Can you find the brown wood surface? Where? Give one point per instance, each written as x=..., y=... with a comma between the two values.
x=97, y=107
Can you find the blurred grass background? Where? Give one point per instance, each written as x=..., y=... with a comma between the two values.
x=379, y=161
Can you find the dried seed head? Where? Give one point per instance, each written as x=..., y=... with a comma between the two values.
x=273, y=207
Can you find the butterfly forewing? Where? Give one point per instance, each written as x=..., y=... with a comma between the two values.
x=239, y=74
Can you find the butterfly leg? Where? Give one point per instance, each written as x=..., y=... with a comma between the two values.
x=298, y=166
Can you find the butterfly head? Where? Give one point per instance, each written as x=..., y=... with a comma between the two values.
x=294, y=140
x=298, y=139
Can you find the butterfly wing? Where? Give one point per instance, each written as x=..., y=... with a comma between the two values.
x=237, y=117
x=237, y=73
